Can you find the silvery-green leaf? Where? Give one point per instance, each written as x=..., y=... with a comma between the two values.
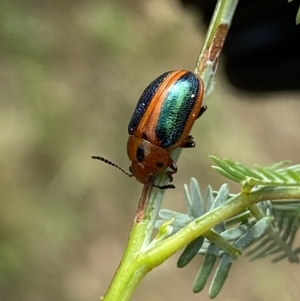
x=188, y=200
x=209, y=198
x=236, y=232
x=253, y=233
x=207, y=266
x=190, y=252
x=197, y=201
x=220, y=275
x=221, y=197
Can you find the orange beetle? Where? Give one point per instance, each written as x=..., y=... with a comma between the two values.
x=161, y=122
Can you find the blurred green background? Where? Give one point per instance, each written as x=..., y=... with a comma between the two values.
x=71, y=73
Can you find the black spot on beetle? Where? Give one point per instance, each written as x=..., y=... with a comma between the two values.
x=140, y=154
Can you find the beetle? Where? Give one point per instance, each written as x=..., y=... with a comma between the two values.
x=161, y=122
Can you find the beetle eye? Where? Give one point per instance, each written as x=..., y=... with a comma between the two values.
x=140, y=154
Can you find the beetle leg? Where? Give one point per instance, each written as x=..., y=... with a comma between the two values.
x=188, y=142
x=202, y=110
x=169, y=174
x=172, y=165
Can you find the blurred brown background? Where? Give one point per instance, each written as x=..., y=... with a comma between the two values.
x=71, y=73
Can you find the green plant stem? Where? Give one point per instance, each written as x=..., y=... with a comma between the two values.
x=198, y=227
x=121, y=287
x=207, y=62
x=135, y=265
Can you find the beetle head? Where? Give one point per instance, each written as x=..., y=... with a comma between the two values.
x=147, y=159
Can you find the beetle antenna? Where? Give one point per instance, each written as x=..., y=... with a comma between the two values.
x=112, y=164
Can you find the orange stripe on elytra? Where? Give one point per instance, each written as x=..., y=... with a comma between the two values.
x=154, y=108
x=143, y=125
x=159, y=100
